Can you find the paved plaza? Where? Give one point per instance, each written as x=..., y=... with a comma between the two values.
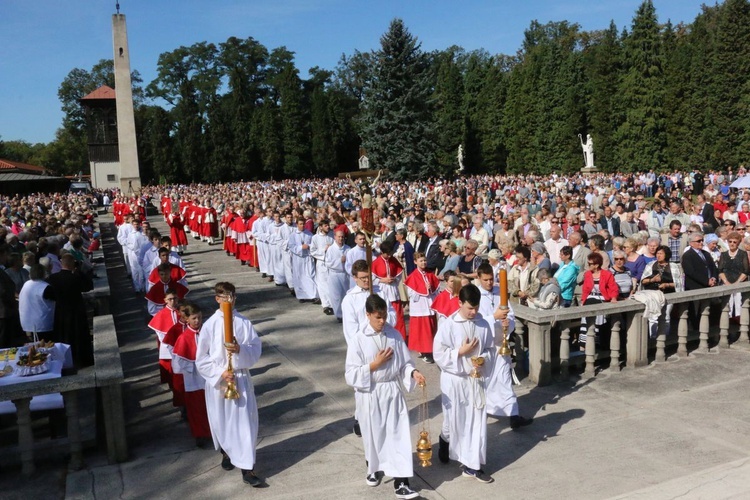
x=678, y=429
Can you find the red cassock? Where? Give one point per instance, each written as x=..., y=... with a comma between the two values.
x=177, y=273
x=156, y=294
x=177, y=230
x=117, y=212
x=422, y=328
x=209, y=223
x=446, y=303
x=391, y=270
x=166, y=207
x=238, y=228
x=253, y=257
x=230, y=245
x=161, y=323
x=192, y=217
x=176, y=380
x=195, y=401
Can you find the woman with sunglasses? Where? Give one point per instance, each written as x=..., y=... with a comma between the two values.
x=599, y=286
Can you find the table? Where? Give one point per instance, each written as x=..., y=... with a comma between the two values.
x=60, y=357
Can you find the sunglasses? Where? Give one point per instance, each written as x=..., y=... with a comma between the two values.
x=555, y=222
x=619, y=258
x=698, y=241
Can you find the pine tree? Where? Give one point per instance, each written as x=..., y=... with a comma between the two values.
x=642, y=136
x=396, y=118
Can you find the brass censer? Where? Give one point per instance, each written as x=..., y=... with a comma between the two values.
x=424, y=444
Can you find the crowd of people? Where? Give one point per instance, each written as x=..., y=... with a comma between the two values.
x=432, y=287
x=46, y=244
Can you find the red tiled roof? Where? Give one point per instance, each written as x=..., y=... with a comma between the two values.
x=17, y=165
x=102, y=92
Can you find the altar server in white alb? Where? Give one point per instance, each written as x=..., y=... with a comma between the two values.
x=234, y=422
x=377, y=364
x=462, y=345
x=501, y=398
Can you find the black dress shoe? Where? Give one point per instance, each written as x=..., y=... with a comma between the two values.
x=226, y=463
x=443, y=455
x=264, y=275
x=315, y=301
x=328, y=311
x=357, y=430
x=249, y=477
x=517, y=421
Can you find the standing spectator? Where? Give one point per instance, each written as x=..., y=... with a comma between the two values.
x=71, y=324
x=665, y=276
x=36, y=305
x=598, y=286
x=734, y=268
x=567, y=276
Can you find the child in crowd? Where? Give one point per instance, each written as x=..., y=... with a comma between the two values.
x=422, y=287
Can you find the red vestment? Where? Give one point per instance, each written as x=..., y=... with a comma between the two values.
x=176, y=274
x=391, y=270
x=445, y=303
x=422, y=329
x=177, y=230
x=195, y=401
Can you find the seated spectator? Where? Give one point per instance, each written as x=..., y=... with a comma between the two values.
x=626, y=283
x=522, y=277
x=549, y=293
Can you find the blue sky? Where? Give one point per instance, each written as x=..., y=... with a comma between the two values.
x=42, y=40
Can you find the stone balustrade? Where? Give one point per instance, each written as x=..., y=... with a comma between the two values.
x=627, y=316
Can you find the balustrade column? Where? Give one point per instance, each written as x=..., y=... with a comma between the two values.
x=704, y=307
x=25, y=436
x=637, y=341
x=661, y=337
x=745, y=319
x=682, y=331
x=724, y=323
x=565, y=351
x=74, y=430
x=540, y=353
x=590, y=346
x=614, y=341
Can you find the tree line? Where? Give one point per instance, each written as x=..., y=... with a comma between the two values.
x=653, y=96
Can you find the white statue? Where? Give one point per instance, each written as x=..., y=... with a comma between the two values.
x=364, y=163
x=460, y=158
x=588, y=150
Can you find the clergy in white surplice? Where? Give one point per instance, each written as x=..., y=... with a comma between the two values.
x=338, y=278
x=501, y=399
x=303, y=265
x=319, y=245
x=234, y=422
x=378, y=363
x=276, y=237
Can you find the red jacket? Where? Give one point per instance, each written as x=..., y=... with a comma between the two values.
x=607, y=286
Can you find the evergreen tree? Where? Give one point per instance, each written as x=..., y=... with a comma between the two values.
x=642, y=136
x=396, y=118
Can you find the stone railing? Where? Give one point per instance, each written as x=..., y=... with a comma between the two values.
x=626, y=316
x=106, y=376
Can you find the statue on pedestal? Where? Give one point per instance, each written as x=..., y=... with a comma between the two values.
x=588, y=151
x=460, y=158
